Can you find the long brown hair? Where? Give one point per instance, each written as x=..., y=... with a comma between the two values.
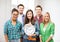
x=26, y=18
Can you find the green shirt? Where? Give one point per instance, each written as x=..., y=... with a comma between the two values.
x=49, y=30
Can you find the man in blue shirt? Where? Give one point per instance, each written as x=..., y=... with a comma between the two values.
x=12, y=28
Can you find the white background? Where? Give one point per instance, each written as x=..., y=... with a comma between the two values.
x=52, y=6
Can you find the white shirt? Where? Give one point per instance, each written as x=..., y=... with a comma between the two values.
x=20, y=18
x=37, y=17
x=44, y=29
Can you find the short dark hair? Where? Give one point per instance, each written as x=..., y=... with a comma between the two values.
x=39, y=7
x=14, y=9
x=20, y=5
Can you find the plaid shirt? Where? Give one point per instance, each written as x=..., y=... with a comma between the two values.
x=13, y=32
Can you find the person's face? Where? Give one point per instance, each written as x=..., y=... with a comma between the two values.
x=14, y=15
x=46, y=18
x=29, y=15
x=38, y=11
x=20, y=9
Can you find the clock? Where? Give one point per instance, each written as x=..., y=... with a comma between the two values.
x=29, y=29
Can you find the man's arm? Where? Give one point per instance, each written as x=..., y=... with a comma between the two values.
x=6, y=38
x=6, y=32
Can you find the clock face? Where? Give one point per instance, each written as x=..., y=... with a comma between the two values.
x=29, y=29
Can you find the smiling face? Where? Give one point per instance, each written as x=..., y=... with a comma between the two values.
x=46, y=17
x=20, y=9
x=15, y=15
x=29, y=15
x=38, y=10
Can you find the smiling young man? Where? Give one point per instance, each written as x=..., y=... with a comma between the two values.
x=21, y=16
x=38, y=17
x=12, y=28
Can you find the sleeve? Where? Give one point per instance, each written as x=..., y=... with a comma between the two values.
x=37, y=28
x=5, y=29
x=20, y=27
x=52, y=28
x=40, y=29
x=51, y=35
x=22, y=31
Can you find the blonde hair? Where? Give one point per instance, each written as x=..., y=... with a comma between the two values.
x=49, y=17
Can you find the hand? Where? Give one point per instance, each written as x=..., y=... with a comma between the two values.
x=47, y=41
x=40, y=40
x=29, y=37
x=33, y=35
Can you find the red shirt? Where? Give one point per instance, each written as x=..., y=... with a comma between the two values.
x=39, y=20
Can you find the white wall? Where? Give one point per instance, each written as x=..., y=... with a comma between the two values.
x=4, y=15
x=28, y=4
x=52, y=6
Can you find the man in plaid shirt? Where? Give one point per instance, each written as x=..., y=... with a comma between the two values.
x=12, y=28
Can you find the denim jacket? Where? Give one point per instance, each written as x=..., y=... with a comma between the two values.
x=36, y=31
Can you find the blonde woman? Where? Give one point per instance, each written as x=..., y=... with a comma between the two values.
x=47, y=29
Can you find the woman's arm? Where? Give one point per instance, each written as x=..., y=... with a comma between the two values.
x=49, y=39
x=52, y=33
x=40, y=38
x=40, y=33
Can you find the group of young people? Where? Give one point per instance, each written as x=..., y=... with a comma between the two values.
x=15, y=26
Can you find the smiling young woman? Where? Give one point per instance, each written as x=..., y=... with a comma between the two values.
x=47, y=29
x=32, y=27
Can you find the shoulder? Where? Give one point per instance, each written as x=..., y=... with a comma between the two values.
x=35, y=18
x=19, y=22
x=7, y=22
x=23, y=15
x=36, y=23
x=51, y=23
x=42, y=23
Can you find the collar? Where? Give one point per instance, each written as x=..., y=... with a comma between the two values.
x=39, y=17
x=22, y=15
x=11, y=21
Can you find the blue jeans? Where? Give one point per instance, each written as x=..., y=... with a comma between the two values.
x=37, y=39
x=26, y=40
x=14, y=40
